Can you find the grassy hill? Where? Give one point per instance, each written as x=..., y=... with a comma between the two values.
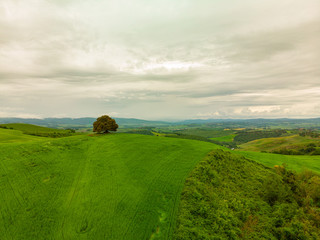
x=297, y=163
x=117, y=186
x=34, y=130
x=275, y=144
x=11, y=136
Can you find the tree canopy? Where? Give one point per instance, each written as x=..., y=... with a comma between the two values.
x=105, y=124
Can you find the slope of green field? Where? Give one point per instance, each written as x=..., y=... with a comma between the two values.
x=36, y=130
x=228, y=138
x=297, y=163
x=11, y=136
x=272, y=144
x=117, y=186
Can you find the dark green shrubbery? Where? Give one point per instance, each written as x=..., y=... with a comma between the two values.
x=229, y=197
x=247, y=136
x=308, y=149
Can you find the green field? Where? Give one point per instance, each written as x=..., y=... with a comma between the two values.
x=11, y=136
x=228, y=138
x=297, y=163
x=116, y=186
x=34, y=130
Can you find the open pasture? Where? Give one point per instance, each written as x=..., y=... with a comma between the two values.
x=117, y=186
x=34, y=130
x=11, y=136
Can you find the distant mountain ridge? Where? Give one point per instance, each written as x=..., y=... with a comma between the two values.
x=87, y=121
x=134, y=122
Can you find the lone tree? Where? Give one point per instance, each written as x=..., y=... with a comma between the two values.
x=105, y=124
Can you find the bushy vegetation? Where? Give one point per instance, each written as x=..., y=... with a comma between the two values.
x=309, y=133
x=230, y=197
x=143, y=131
x=309, y=149
x=204, y=131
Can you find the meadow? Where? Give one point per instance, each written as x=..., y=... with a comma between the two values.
x=11, y=136
x=115, y=186
x=295, y=162
x=124, y=185
x=35, y=130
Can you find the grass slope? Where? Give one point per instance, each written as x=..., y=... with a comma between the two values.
x=11, y=136
x=272, y=144
x=297, y=163
x=36, y=130
x=118, y=186
x=228, y=138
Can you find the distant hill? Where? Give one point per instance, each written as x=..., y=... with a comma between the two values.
x=81, y=122
x=35, y=130
x=87, y=122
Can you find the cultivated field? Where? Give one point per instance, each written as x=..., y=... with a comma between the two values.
x=117, y=186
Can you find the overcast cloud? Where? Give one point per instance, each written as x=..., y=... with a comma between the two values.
x=160, y=59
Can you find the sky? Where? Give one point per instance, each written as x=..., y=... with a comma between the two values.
x=160, y=59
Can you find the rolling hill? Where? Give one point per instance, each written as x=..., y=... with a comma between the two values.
x=273, y=144
x=117, y=186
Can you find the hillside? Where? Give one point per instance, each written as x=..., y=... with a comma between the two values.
x=35, y=130
x=11, y=136
x=297, y=163
x=230, y=197
x=290, y=145
x=117, y=186
x=82, y=122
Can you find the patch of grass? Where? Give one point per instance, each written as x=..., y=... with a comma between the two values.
x=115, y=186
x=12, y=136
x=297, y=163
x=34, y=130
x=228, y=138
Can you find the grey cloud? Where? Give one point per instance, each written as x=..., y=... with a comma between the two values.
x=181, y=58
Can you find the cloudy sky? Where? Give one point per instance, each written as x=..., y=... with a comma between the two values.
x=160, y=59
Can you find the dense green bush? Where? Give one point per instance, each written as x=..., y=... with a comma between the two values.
x=230, y=197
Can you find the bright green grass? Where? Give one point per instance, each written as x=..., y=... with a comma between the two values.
x=117, y=186
x=297, y=163
x=10, y=136
x=29, y=128
x=228, y=138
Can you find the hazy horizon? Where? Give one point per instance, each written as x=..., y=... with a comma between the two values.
x=159, y=60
